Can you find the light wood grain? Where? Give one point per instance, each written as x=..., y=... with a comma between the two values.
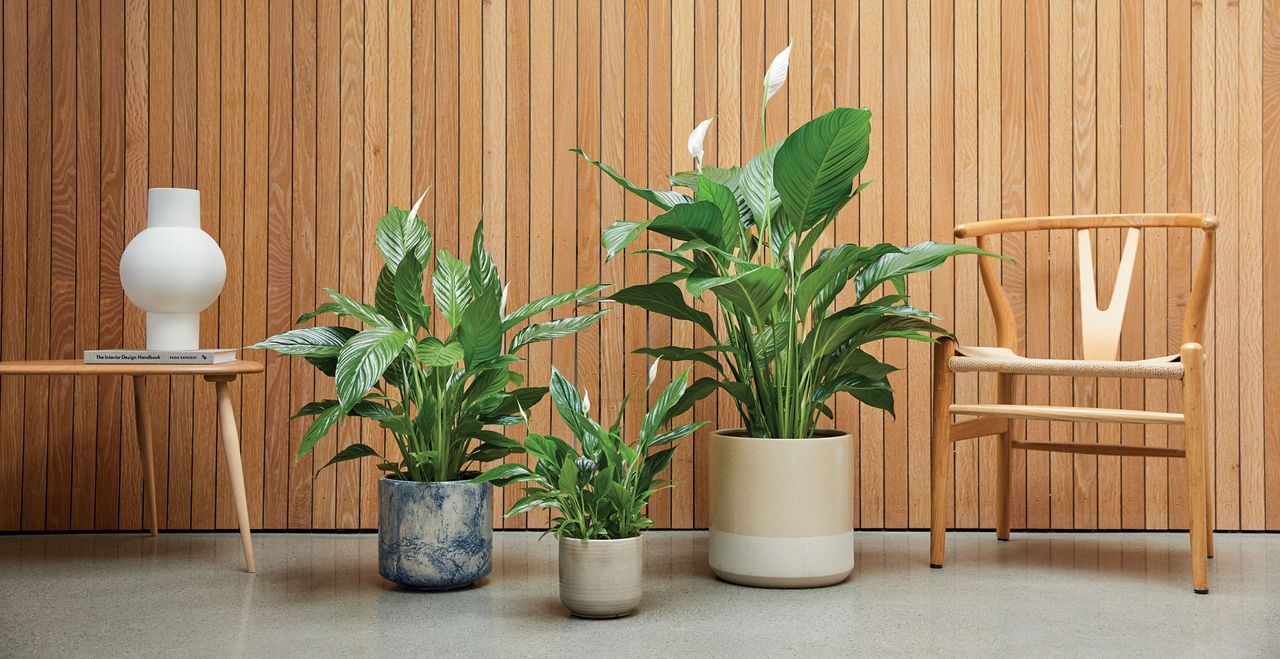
x=301, y=121
x=1096, y=414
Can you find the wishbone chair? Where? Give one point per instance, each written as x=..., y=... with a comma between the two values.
x=1100, y=340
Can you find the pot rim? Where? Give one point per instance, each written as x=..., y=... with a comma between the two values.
x=821, y=434
x=603, y=541
x=399, y=482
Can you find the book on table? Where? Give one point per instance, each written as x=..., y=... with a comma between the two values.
x=121, y=356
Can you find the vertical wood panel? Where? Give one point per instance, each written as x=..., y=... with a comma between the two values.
x=301, y=121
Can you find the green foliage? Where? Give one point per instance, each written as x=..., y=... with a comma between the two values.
x=599, y=485
x=792, y=329
x=433, y=385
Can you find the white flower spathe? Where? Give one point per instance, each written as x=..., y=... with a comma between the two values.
x=777, y=73
x=653, y=371
x=695, y=141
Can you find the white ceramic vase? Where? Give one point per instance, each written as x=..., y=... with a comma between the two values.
x=172, y=269
x=781, y=509
x=601, y=578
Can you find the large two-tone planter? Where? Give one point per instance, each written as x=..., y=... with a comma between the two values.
x=601, y=578
x=781, y=509
x=434, y=536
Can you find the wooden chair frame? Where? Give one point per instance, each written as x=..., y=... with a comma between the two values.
x=1100, y=329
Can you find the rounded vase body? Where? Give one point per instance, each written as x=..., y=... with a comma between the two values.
x=434, y=536
x=172, y=269
x=601, y=578
x=781, y=509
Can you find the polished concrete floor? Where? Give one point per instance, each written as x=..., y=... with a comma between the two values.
x=320, y=595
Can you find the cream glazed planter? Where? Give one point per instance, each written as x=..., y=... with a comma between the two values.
x=601, y=578
x=781, y=509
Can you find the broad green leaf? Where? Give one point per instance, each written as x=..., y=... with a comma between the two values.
x=833, y=269
x=480, y=332
x=757, y=185
x=620, y=235
x=483, y=272
x=399, y=233
x=701, y=388
x=553, y=329
x=411, y=307
x=658, y=415
x=432, y=352
x=327, y=364
x=702, y=355
x=318, y=429
x=666, y=299
x=568, y=403
x=365, y=313
x=384, y=296
x=916, y=258
x=726, y=176
x=730, y=231
x=568, y=474
x=503, y=472
x=815, y=166
x=875, y=392
x=676, y=433
x=527, y=311
x=327, y=307
x=755, y=292
x=325, y=341
x=352, y=452
x=451, y=286
x=363, y=360
x=699, y=220
x=313, y=408
x=664, y=199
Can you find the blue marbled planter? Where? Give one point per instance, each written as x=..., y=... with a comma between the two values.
x=434, y=536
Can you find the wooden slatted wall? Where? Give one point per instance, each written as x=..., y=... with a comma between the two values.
x=301, y=122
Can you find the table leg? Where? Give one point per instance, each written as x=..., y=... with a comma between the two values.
x=235, y=472
x=143, y=427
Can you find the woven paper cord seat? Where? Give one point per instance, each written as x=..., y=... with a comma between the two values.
x=1002, y=360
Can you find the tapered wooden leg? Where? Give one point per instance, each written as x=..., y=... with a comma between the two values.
x=1004, y=460
x=1209, y=511
x=145, y=452
x=235, y=472
x=1197, y=499
x=940, y=455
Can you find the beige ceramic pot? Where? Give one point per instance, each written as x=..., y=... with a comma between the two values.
x=781, y=509
x=601, y=578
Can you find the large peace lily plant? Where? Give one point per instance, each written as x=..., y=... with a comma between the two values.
x=794, y=319
x=434, y=383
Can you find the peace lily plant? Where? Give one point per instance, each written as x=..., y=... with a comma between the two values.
x=437, y=382
x=794, y=318
x=600, y=484
x=598, y=487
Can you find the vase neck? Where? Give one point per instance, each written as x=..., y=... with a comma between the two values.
x=173, y=208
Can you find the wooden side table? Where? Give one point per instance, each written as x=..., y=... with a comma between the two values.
x=219, y=374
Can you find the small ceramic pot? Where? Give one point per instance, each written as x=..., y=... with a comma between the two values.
x=434, y=536
x=601, y=578
x=781, y=509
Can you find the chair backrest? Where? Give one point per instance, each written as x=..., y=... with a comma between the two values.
x=1100, y=328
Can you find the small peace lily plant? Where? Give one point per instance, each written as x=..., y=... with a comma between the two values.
x=598, y=485
x=434, y=385
x=794, y=318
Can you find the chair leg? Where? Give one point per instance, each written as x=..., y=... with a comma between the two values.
x=1004, y=450
x=940, y=455
x=1197, y=496
x=1209, y=511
